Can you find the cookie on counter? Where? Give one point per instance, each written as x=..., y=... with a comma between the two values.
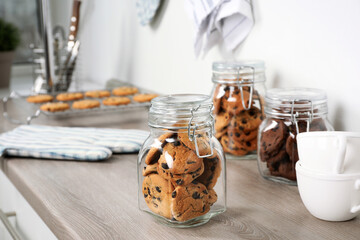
x=97, y=94
x=144, y=97
x=54, y=107
x=69, y=96
x=116, y=101
x=157, y=193
x=86, y=104
x=123, y=91
x=40, y=98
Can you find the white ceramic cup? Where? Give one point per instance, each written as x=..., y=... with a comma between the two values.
x=330, y=197
x=330, y=152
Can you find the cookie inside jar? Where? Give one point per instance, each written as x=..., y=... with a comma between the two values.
x=238, y=106
x=181, y=165
x=288, y=113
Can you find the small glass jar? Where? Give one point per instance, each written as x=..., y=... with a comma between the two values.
x=181, y=165
x=288, y=113
x=238, y=100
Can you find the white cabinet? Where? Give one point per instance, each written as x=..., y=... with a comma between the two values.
x=26, y=222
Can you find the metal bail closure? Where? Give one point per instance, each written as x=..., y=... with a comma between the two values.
x=297, y=114
x=192, y=135
x=246, y=81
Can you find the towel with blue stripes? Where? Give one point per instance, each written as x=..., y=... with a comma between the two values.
x=70, y=143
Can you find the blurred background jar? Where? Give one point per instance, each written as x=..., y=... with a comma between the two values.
x=288, y=113
x=237, y=95
x=181, y=166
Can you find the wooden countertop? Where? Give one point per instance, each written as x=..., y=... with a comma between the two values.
x=98, y=200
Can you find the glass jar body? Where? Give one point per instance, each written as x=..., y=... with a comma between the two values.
x=177, y=186
x=238, y=112
x=277, y=146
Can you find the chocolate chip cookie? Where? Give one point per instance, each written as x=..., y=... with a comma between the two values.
x=234, y=104
x=219, y=95
x=40, y=98
x=241, y=136
x=157, y=147
x=286, y=170
x=222, y=120
x=189, y=201
x=183, y=179
x=211, y=172
x=179, y=161
x=157, y=193
x=97, y=94
x=85, y=104
x=212, y=196
x=54, y=107
x=202, y=141
x=291, y=147
x=144, y=97
x=247, y=120
x=123, y=91
x=232, y=147
x=274, y=136
x=116, y=101
x=152, y=168
x=69, y=96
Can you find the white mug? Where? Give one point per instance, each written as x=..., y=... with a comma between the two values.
x=330, y=152
x=330, y=197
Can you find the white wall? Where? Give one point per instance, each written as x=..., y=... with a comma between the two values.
x=304, y=43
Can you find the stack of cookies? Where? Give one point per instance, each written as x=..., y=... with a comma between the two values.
x=235, y=127
x=177, y=184
x=278, y=147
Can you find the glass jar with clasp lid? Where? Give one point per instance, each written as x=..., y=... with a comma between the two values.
x=181, y=166
x=238, y=100
x=288, y=113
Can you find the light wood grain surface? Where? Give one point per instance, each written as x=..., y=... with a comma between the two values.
x=81, y=200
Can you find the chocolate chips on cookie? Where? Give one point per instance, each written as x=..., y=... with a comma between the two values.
x=190, y=201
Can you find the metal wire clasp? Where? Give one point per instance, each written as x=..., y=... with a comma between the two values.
x=246, y=81
x=192, y=135
x=297, y=114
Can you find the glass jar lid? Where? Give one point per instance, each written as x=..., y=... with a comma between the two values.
x=171, y=110
x=302, y=103
x=225, y=72
x=185, y=113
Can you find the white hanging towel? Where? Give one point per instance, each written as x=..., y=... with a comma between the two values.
x=229, y=21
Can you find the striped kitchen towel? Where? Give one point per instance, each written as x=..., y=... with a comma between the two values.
x=70, y=143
